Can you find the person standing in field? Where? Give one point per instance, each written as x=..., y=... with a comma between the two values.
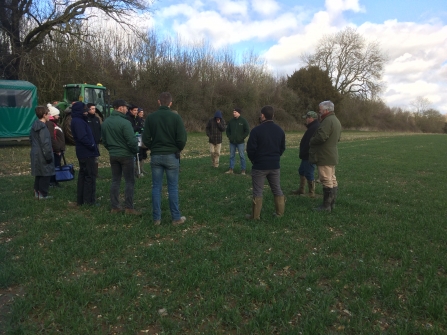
x=57, y=139
x=165, y=136
x=95, y=125
x=119, y=139
x=214, y=129
x=307, y=169
x=42, y=166
x=324, y=153
x=265, y=146
x=237, y=130
x=86, y=152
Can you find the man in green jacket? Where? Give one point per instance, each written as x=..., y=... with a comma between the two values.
x=165, y=136
x=324, y=153
x=237, y=130
x=119, y=139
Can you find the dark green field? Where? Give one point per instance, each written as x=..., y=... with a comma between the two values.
x=376, y=265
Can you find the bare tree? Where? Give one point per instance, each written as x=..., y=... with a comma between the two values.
x=24, y=24
x=354, y=66
x=420, y=105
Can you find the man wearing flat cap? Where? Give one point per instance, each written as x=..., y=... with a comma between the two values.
x=307, y=169
x=119, y=139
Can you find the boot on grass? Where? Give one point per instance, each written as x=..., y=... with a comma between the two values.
x=255, y=209
x=280, y=204
x=327, y=200
x=300, y=190
x=311, y=184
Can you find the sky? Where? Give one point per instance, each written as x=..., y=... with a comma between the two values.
x=412, y=34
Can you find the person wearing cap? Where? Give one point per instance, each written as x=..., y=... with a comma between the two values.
x=86, y=152
x=265, y=146
x=165, y=136
x=324, y=153
x=214, y=129
x=95, y=125
x=237, y=130
x=119, y=139
x=57, y=139
x=307, y=169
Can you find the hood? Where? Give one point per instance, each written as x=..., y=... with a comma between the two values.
x=77, y=109
x=218, y=114
x=38, y=125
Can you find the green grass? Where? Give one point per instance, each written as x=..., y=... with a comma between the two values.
x=376, y=265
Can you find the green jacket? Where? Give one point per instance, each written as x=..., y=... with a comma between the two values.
x=323, y=144
x=118, y=136
x=237, y=130
x=164, y=132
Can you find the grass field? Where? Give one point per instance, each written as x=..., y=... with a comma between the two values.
x=376, y=265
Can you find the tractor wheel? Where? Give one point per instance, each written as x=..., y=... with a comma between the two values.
x=66, y=128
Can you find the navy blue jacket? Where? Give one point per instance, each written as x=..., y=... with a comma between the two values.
x=265, y=146
x=305, y=141
x=82, y=134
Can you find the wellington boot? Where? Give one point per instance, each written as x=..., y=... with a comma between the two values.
x=255, y=209
x=334, y=196
x=327, y=200
x=300, y=190
x=280, y=204
x=311, y=184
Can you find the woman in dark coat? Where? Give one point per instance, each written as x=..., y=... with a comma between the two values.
x=42, y=167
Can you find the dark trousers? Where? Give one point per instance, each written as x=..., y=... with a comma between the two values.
x=273, y=177
x=86, y=193
x=42, y=185
x=122, y=166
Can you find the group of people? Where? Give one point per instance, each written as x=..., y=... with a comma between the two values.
x=265, y=146
x=164, y=134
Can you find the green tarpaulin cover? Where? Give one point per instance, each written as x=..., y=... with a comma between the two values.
x=18, y=99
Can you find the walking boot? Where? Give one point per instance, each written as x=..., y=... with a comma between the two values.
x=280, y=204
x=230, y=171
x=300, y=190
x=311, y=184
x=255, y=209
x=327, y=200
x=334, y=196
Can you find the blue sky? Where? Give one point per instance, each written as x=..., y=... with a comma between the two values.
x=413, y=34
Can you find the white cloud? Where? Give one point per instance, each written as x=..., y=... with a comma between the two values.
x=265, y=7
x=227, y=7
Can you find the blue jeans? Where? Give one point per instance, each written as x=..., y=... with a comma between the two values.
x=160, y=164
x=240, y=148
x=307, y=170
x=122, y=166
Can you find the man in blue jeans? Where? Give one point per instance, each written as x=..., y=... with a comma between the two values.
x=237, y=130
x=307, y=169
x=165, y=136
x=119, y=139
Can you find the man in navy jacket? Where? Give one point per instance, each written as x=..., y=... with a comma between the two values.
x=86, y=152
x=265, y=146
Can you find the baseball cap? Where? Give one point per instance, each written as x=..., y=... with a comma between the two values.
x=311, y=114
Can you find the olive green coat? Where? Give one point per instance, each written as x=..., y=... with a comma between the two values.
x=323, y=145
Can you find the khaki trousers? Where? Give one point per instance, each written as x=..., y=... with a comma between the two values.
x=326, y=175
x=215, y=153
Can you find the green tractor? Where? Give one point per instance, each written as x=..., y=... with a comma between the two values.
x=86, y=93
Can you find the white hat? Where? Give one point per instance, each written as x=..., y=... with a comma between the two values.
x=53, y=110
